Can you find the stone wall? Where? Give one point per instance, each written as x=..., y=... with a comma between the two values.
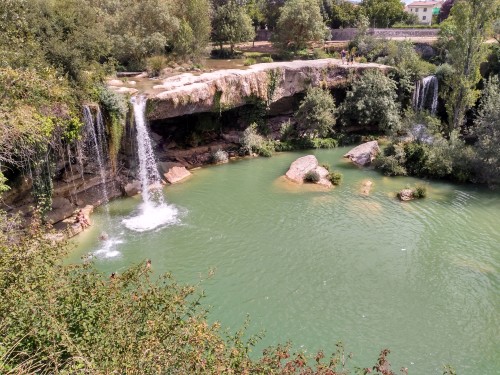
x=350, y=33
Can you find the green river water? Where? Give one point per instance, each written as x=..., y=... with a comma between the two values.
x=315, y=267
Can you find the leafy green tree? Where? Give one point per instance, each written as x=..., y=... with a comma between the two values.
x=487, y=131
x=383, y=13
x=340, y=13
x=300, y=22
x=371, y=101
x=231, y=24
x=316, y=114
x=463, y=35
x=193, y=35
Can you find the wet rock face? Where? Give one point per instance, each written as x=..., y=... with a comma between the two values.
x=363, y=154
x=224, y=89
x=406, y=195
x=176, y=175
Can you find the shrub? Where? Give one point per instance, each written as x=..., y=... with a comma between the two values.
x=155, y=65
x=252, y=141
x=325, y=143
x=335, y=177
x=266, y=59
x=266, y=149
x=327, y=166
x=312, y=176
x=420, y=191
x=362, y=60
x=219, y=157
x=319, y=53
x=316, y=114
x=249, y=61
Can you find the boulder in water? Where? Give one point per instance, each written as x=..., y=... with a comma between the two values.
x=176, y=174
x=406, y=195
x=363, y=154
x=366, y=187
x=132, y=188
x=300, y=167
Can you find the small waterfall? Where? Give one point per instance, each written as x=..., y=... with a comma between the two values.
x=97, y=140
x=421, y=99
x=154, y=211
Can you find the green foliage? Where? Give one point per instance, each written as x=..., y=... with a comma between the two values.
x=231, y=25
x=249, y=61
x=316, y=114
x=252, y=141
x=372, y=102
x=312, y=176
x=420, y=191
x=487, y=130
x=219, y=156
x=340, y=14
x=383, y=13
x=300, y=22
x=392, y=161
x=155, y=65
x=324, y=143
x=195, y=27
x=463, y=35
x=335, y=177
x=3, y=186
x=266, y=59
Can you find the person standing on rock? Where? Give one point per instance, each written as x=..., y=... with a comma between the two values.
x=343, y=55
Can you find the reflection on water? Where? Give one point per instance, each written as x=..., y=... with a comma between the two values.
x=315, y=267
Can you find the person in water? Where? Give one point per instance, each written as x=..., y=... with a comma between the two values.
x=104, y=236
x=148, y=263
x=82, y=220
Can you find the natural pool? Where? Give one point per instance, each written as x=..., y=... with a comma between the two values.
x=421, y=278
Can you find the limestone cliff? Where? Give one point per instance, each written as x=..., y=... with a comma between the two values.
x=224, y=89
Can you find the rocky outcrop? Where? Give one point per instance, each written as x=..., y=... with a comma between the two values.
x=363, y=154
x=300, y=167
x=176, y=175
x=406, y=195
x=224, y=89
x=132, y=188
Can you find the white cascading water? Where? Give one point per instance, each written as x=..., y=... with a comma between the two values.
x=422, y=89
x=154, y=212
x=98, y=140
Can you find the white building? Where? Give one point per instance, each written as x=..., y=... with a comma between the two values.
x=424, y=10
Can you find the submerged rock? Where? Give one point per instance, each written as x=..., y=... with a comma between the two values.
x=177, y=174
x=300, y=167
x=363, y=154
x=366, y=187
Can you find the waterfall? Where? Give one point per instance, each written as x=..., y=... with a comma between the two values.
x=421, y=98
x=95, y=135
x=154, y=211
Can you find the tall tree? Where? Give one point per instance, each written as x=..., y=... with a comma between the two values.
x=383, y=13
x=487, y=130
x=463, y=34
x=300, y=22
x=231, y=24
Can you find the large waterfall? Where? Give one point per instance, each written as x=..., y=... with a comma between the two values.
x=422, y=99
x=154, y=212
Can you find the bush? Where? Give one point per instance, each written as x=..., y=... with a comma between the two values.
x=155, y=65
x=316, y=114
x=249, y=61
x=312, y=176
x=324, y=143
x=327, y=166
x=420, y=191
x=266, y=59
x=219, y=157
x=335, y=177
x=252, y=142
x=266, y=149
x=319, y=53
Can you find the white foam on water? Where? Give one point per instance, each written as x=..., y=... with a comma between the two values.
x=151, y=217
x=108, y=249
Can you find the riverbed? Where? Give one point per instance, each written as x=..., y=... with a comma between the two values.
x=317, y=266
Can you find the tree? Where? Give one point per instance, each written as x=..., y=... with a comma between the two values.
x=232, y=25
x=193, y=35
x=463, y=35
x=487, y=131
x=383, y=13
x=300, y=22
x=372, y=102
x=444, y=11
x=340, y=13
x=316, y=114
